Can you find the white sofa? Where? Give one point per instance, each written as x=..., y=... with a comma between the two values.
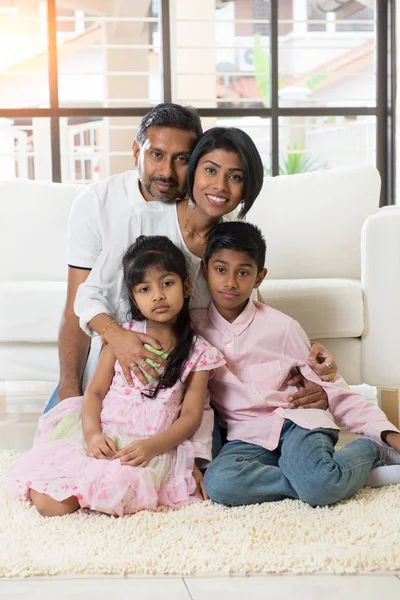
x=333, y=259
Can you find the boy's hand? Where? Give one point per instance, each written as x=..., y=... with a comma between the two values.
x=200, y=491
x=311, y=395
x=100, y=446
x=138, y=453
x=392, y=438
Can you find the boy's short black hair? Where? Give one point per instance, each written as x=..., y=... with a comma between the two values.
x=170, y=115
x=235, y=140
x=238, y=236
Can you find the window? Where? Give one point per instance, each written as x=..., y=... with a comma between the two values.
x=310, y=80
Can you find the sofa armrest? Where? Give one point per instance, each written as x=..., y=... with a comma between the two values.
x=380, y=278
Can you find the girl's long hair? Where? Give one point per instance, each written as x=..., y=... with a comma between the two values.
x=157, y=251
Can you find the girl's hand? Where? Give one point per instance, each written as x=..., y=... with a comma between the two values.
x=200, y=491
x=100, y=446
x=138, y=453
x=322, y=362
x=127, y=347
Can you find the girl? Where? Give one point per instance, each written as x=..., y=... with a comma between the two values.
x=125, y=448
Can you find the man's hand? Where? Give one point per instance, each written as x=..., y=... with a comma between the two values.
x=100, y=446
x=138, y=453
x=311, y=395
x=200, y=491
x=127, y=347
x=322, y=362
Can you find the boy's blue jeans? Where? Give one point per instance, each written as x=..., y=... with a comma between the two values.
x=305, y=466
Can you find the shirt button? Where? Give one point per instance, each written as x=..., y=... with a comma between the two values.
x=229, y=345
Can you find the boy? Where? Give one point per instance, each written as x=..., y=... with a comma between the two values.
x=273, y=451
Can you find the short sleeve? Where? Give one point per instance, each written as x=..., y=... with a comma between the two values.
x=203, y=357
x=84, y=240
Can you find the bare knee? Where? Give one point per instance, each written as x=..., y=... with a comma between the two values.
x=48, y=507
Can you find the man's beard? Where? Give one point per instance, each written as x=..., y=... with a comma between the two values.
x=147, y=187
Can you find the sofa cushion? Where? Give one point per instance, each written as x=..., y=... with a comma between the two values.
x=325, y=308
x=33, y=228
x=29, y=362
x=30, y=311
x=312, y=221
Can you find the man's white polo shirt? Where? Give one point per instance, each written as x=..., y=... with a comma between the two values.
x=96, y=212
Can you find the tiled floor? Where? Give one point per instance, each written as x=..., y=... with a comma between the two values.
x=20, y=407
x=285, y=587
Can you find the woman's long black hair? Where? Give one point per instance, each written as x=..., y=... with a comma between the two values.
x=157, y=251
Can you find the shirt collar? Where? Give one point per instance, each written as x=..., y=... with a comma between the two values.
x=239, y=325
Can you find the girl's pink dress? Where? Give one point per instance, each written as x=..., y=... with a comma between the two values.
x=57, y=464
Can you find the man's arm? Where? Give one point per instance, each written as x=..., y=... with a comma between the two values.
x=84, y=244
x=73, y=343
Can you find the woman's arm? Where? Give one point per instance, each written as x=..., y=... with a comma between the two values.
x=140, y=453
x=98, y=445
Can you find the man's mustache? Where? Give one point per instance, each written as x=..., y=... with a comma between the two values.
x=168, y=180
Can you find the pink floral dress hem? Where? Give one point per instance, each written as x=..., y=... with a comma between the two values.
x=58, y=465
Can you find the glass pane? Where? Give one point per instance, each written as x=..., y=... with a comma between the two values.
x=258, y=129
x=311, y=143
x=221, y=53
x=23, y=55
x=25, y=149
x=110, y=148
x=327, y=58
x=93, y=148
x=109, y=53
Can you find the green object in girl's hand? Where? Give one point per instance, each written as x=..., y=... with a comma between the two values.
x=152, y=363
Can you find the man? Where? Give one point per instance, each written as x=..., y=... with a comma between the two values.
x=166, y=136
x=100, y=207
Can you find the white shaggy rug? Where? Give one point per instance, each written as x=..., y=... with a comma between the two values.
x=356, y=536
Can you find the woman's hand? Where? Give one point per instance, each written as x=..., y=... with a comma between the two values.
x=127, y=347
x=322, y=362
x=138, y=453
x=100, y=446
x=200, y=491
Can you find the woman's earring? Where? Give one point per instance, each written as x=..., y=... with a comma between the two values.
x=242, y=218
x=191, y=204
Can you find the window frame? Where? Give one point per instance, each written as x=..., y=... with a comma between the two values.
x=384, y=110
